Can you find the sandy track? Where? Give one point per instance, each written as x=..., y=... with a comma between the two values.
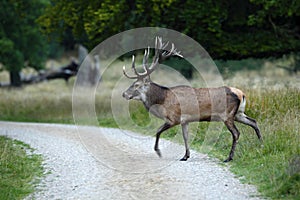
x=103, y=163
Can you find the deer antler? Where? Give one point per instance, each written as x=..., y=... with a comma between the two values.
x=160, y=55
x=133, y=68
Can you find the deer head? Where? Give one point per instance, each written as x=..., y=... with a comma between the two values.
x=143, y=82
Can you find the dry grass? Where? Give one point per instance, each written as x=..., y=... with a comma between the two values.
x=52, y=101
x=48, y=101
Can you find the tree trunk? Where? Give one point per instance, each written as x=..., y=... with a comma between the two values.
x=15, y=79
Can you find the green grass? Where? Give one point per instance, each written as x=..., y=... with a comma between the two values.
x=20, y=169
x=274, y=165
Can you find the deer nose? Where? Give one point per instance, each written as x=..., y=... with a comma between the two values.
x=127, y=96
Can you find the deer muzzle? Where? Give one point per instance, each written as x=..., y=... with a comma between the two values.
x=127, y=96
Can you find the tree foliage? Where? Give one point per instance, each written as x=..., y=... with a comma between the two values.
x=231, y=29
x=21, y=42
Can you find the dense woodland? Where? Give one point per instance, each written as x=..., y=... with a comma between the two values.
x=32, y=31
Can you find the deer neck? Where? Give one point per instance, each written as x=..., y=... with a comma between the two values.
x=155, y=95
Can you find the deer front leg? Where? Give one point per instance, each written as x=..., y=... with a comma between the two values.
x=161, y=129
x=186, y=142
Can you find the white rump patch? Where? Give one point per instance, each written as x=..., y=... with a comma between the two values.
x=242, y=105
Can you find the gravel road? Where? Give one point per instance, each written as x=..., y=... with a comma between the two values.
x=103, y=163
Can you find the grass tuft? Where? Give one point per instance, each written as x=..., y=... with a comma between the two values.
x=20, y=169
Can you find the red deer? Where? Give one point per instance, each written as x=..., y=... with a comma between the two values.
x=175, y=105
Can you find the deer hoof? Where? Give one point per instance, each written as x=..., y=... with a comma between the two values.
x=184, y=158
x=158, y=152
x=228, y=160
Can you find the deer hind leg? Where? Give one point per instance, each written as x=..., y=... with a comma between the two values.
x=235, y=136
x=242, y=118
x=161, y=129
x=186, y=142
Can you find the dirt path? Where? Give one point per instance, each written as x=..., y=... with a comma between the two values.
x=103, y=163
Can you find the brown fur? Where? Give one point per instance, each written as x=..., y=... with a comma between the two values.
x=197, y=104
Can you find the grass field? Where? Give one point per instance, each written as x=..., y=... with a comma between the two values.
x=273, y=99
x=19, y=169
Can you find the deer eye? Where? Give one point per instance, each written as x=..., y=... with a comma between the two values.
x=137, y=86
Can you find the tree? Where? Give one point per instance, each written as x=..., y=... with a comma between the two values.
x=93, y=21
x=21, y=42
x=233, y=29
